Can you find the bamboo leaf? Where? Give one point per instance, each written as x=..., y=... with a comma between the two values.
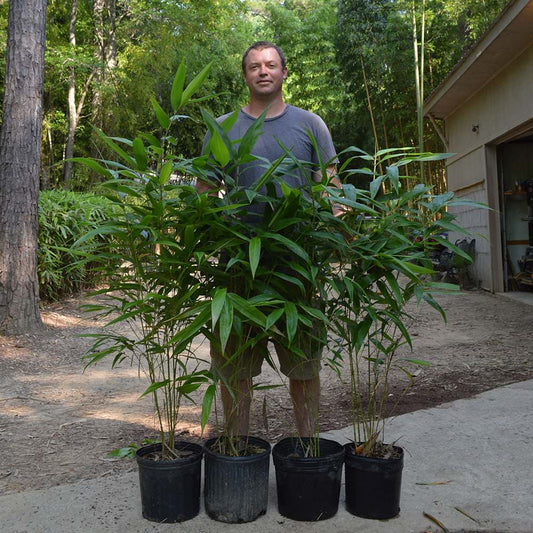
x=152, y=139
x=164, y=174
x=217, y=304
x=253, y=133
x=291, y=315
x=195, y=84
x=375, y=186
x=93, y=165
x=219, y=142
x=162, y=117
x=248, y=310
x=418, y=362
x=177, y=87
x=207, y=404
x=155, y=386
x=140, y=154
x=254, y=251
x=273, y=317
x=290, y=245
x=115, y=147
x=226, y=323
x=219, y=149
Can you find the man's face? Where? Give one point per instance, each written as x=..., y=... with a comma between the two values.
x=263, y=72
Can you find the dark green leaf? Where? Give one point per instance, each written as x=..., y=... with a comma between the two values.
x=195, y=84
x=207, y=404
x=255, y=254
x=162, y=117
x=177, y=87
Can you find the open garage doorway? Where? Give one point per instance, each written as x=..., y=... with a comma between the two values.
x=515, y=169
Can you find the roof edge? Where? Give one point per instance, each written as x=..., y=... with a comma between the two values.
x=502, y=21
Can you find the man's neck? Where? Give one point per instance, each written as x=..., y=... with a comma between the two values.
x=255, y=107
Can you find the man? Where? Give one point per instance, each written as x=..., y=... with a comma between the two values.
x=264, y=70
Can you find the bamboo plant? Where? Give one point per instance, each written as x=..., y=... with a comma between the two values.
x=391, y=230
x=152, y=298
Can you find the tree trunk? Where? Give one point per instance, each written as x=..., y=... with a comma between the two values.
x=20, y=151
x=419, y=77
x=72, y=112
x=104, y=16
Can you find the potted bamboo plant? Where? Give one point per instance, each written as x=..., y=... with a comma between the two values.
x=308, y=467
x=273, y=283
x=152, y=294
x=392, y=230
x=264, y=284
x=236, y=464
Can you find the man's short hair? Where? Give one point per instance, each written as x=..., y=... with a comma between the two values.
x=261, y=45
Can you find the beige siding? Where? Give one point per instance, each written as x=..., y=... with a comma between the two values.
x=466, y=170
x=504, y=105
x=475, y=221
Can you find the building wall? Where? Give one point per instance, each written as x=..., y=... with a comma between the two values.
x=466, y=177
x=505, y=104
x=499, y=107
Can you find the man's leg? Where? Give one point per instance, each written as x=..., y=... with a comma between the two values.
x=305, y=396
x=236, y=404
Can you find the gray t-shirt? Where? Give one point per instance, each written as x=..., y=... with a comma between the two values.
x=289, y=130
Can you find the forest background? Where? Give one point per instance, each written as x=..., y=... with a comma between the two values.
x=363, y=66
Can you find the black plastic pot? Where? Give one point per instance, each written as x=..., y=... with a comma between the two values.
x=170, y=490
x=373, y=485
x=308, y=487
x=236, y=488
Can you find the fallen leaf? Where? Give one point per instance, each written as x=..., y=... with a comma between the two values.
x=438, y=522
x=467, y=515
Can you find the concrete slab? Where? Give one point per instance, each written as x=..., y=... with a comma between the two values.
x=518, y=296
x=468, y=463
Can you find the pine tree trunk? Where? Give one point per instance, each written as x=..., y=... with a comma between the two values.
x=20, y=151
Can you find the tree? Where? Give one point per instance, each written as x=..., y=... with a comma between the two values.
x=361, y=28
x=104, y=16
x=20, y=150
x=74, y=109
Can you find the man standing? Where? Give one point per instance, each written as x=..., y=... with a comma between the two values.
x=264, y=70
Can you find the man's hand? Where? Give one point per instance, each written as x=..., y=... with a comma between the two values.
x=204, y=186
x=331, y=171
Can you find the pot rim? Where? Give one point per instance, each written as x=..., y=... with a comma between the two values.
x=330, y=455
x=242, y=458
x=350, y=452
x=143, y=451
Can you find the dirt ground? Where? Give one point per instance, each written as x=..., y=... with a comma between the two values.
x=57, y=423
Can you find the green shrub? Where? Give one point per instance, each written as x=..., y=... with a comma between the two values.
x=65, y=216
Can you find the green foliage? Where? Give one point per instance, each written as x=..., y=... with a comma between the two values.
x=179, y=263
x=64, y=217
x=392, y=229
x=305, y=31
x=379, y=35
x=322, y=39
x=154, y=38
x=298, y=271
x=150, y=260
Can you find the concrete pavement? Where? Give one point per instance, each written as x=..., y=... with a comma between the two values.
x=468, y=463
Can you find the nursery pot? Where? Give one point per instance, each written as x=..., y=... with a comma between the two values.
x=308, y=487
x=170, y=490
x=236, y=487
x=373, y=485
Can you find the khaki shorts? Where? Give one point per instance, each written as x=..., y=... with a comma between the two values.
x=248, y=364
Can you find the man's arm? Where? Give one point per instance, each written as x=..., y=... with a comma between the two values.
x=331, y=172
x=204, y=186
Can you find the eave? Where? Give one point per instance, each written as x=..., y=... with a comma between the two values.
x=507, y=38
